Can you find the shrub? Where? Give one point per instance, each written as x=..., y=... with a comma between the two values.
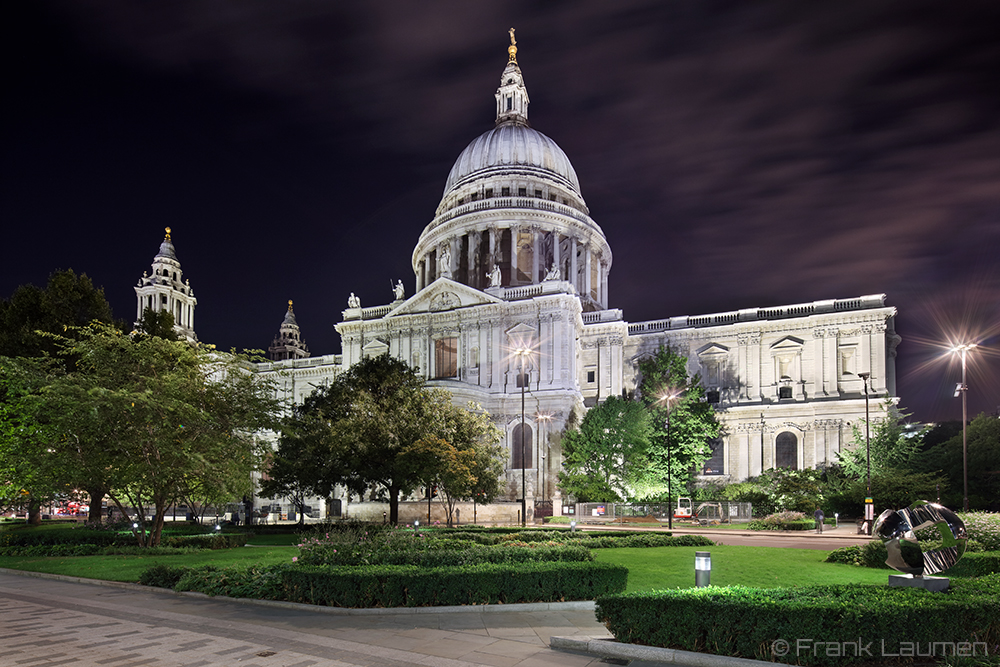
x=984, y=528
x=783, y=521
x=410, y=586
x=255, y=582
x=646, y=540
x=471, y=554
x=63, y=550
x=714, y=619
x=206, y=541
x=871, y=554
x=162, y=576
x=558, y=519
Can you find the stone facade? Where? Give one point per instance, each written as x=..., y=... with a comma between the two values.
x=512, y=262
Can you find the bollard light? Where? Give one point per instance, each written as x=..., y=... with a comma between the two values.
x=572, y=526
x=218, y=527
x=134, y=526
x=702, y=569
x=416, y=524
x=836, y=519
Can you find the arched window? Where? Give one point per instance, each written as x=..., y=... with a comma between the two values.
x=519, y=462
x=786, y=448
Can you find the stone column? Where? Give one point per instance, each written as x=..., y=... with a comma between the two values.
x=513, y=254
x=586, y=270
x=574, y=276
x=555, y=252
x=534, y=255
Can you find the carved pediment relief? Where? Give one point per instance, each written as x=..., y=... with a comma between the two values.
x=374, y=348
x=713, y=351
x=442, y=295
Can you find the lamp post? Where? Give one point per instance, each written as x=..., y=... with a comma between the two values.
x=963, y=389
x=869, y=502
x=521, y=353
x=670, y=509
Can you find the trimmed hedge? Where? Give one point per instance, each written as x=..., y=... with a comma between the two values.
x=715, y=620
x=399, y=585
x=411, y=586
x=63, y=550
x=976, y=565
x=633, y=540
x=469, y=555
x=206, y=541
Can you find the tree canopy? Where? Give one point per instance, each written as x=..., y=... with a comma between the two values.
x=606, y=457
x=665, y=389
x=376, y=428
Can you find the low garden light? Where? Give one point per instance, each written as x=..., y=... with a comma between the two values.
x=134, y=525
x=572, y=526
x=702, y=568
x=218, y=527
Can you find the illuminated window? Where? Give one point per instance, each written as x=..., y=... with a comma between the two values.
x=446, y=358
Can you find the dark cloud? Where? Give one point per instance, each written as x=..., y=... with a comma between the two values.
x=735, y=154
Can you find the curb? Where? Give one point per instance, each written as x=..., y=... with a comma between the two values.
x=578, y=605
x=605, y=648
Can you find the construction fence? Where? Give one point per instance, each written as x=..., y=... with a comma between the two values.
x=705, y=513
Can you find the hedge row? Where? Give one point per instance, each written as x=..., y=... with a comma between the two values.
x=63, y=550
x=206, y=541
x=401, y=585
x=801, y=524
x=77, y=535
x=473, y=553
x=647, y=540
x=873, y=554
x=882, y=619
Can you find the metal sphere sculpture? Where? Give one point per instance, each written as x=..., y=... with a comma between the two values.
x=897, y=530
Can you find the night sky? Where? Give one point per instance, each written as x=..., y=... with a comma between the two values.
x=735, y=154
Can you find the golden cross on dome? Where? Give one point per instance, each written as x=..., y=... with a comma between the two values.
x=167, y=230
x=289, y=305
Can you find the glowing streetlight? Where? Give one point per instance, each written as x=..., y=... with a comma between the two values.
x=963, y=389
x=670, y=509
x=523, y=353
x=869, y=501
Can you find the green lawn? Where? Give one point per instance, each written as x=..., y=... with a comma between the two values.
x=128, y=568
x=765, y=567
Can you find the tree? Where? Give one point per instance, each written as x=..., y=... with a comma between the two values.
x=30, y=472
x=463, y=459
x=606, y=456
x=891, y=447
x=693, y=424
x=355, y=429
x=169, y=415
x=67, y=301
x=28, y=320
x=983, y=453
x=157, y=323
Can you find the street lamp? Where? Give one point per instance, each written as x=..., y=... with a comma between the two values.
x=963, y=389
x=869, y=502
x=670, y=509
x=522, y=353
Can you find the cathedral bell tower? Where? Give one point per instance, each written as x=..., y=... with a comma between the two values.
x=512, y=96
x=165, y=291
x=288, y=344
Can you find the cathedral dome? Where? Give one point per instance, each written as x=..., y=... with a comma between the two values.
x=512, y=213
x=512, y=146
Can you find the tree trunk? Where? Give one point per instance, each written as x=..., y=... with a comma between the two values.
x=34, y=512
x=393, y=505
x=156, y=529
x=96, y=494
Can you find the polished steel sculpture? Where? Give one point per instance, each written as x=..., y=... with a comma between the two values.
x=897, y=529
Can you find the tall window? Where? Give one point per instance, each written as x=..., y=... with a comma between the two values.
x=715, y=465
x=446, y=358
x=517, y=461
x=786, y=449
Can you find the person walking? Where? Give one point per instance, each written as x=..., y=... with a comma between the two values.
x=818, y=514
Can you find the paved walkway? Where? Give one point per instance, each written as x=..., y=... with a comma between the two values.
x=47, y=621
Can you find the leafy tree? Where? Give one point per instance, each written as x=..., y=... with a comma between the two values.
x=157, y=323
x=693, y=424
x=30, y=473
x=171, y=416
x=606, y=456
x=983, y=454
x=67, y=301
x=354, y=430
x=464, y=459
x=891, y=447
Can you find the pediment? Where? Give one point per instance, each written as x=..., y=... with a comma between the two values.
x=374, y=348
x=713, y=350
x=789, y=343
x=441, y=295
